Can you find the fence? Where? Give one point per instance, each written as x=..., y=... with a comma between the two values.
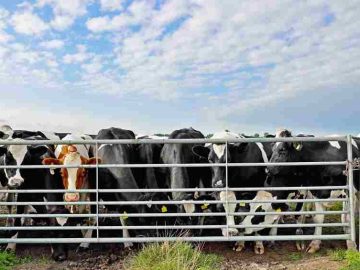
x=98, y=227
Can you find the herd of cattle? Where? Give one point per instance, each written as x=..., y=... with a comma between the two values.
x=73, y=179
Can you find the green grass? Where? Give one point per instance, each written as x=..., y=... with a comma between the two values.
x=296, y=256
x=350, y=257
x=174, y=256
x=8, y=260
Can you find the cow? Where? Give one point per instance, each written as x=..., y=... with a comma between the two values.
x=74, y=178
x=237, y=176
x=28, y=180
x=181, y=177
x=117, y=177
x=251, y=218
x=312, y=176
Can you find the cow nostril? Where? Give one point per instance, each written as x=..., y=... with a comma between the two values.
x=219, y=184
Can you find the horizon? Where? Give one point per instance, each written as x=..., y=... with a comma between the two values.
x=158, y=65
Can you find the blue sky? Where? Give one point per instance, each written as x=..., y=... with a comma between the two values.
x=155, y=66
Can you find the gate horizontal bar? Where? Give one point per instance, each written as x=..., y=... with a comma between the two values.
x=219, y=214
x=172, y=227
x=182, y=165
x=172, y=141
x=171, y=189
x=173, y=202
x=187, y=239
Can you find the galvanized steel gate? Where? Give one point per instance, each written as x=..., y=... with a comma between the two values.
x=96, y=143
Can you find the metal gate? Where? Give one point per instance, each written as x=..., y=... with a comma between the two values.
x=96, y=216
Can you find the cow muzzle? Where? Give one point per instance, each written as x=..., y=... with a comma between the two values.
x=219, y=184
x=15, y=182
x=71, y=197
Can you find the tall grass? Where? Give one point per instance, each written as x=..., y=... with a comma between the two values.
x=174, y=256
x=351, y=257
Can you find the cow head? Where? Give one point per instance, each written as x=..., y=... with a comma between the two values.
x=17, y=155
x=73, y=178
x=257, y=207
x=218, y=153
x=280, y=176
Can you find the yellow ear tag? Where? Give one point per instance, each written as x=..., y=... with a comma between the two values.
x=278, y=210
x=164, y=209
x=204, y=206
x=126, y=216
x=242, y=204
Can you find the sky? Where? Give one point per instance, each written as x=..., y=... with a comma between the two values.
x=158, y=65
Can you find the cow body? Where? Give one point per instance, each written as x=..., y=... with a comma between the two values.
x=312, y=175
x=28, y=180
x=181, y=177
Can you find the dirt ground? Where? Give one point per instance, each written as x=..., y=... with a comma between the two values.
x=283, y=256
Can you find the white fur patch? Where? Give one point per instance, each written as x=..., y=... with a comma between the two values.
x=61, y=220
x=189, y=208
x=219, y=149
x=267, y=207
x=335, y=144
x=264, y=156
x=72, y=159
x=18, y=152
x=82, y=149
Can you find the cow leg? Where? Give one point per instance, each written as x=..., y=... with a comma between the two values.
x=10, y=221
x=259, y=247
x=318, y=219
x=11, y=247
x=126, y=234
x=229, y=208
x=87, y=233
x=345, y=218
x=273, y=232
x=239, y=245
x=300, y=245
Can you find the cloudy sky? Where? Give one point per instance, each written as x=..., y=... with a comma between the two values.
x=156, y=65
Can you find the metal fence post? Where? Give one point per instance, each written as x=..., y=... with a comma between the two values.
x=97, y=190
x=351, y=188
x=227, y=190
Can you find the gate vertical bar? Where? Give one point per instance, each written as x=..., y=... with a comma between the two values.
x=227, y=190
x=97, y=190
x=351, y=188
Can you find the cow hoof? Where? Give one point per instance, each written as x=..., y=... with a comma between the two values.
x=239, y=246
x=259, y=248
x=300, y=245
x=313, y=247
x=232, y=232
x=351, y=245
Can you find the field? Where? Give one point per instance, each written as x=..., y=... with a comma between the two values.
x=284, y=256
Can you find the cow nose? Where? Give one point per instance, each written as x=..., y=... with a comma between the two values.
x=59, y=257
x=16, y=182
x=72, y=197
x=219, y=184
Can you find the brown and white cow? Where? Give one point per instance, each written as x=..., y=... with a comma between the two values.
x=73, y=178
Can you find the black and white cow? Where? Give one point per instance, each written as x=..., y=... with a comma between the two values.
x=28, y=179
x=312, y=175
x=237, y=176
x=181, y=177
x=117, y=178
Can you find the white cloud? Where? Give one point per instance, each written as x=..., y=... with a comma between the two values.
x=28, y=23
x=137, y=13
x=111, y=5
x=65, y=11
x=79, y=57
x=52, y=44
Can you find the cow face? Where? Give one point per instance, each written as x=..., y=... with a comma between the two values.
x=255, y=207
x=216, y=153
x=73, y=178
x=17, y=155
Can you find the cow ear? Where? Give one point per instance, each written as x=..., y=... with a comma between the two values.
x=201, y=151
x=38, y=150
x=3, y=150
x=51, y=161
x=92, y=161
x=298, y=146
